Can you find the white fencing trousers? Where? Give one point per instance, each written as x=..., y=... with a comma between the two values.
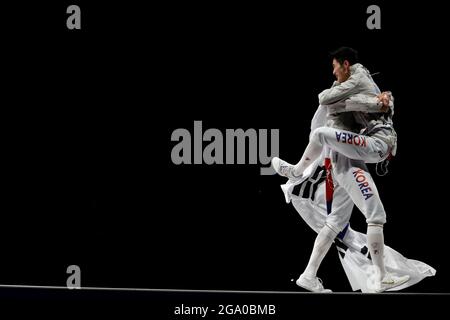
x=353, y=185
x=352, y=145
x=354, y=177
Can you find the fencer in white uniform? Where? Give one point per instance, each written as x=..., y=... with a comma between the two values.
x=358, y=129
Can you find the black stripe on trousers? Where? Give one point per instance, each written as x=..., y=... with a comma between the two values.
x=313, y=181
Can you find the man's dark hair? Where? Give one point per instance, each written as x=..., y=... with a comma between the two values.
x=345, y=53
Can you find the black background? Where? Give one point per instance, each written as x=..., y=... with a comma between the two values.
x=88, y=116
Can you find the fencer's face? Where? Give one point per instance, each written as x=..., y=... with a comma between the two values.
x=341, y=71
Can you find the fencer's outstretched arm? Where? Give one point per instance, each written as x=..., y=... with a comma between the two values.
x=369, y=104
x=358, y=102
x=360, y=84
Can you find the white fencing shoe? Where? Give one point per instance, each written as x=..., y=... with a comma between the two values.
x=313, y=284
x=284, y=168
x=390, y=281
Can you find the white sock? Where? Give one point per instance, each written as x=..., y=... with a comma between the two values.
x=312, y=152
x=321, y=246
x=375, y=242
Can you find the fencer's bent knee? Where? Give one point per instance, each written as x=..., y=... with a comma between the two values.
x=317, y=135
